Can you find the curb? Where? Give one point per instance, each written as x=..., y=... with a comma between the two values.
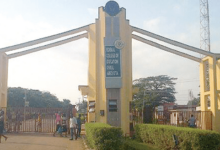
x=85, y=145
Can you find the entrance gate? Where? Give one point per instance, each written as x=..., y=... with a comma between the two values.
x=110, y=66
x=16, y=121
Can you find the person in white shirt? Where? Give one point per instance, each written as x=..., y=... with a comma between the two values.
x=73, y=123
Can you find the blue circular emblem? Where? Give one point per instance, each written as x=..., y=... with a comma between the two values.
x=112, y=8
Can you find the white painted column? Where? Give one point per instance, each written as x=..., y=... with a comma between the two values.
x=3, y=80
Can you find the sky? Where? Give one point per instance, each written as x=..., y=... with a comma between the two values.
x=61, y=69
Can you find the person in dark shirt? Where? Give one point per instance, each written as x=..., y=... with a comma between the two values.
x=2, y=125
x=79, y=125
x=192, y=122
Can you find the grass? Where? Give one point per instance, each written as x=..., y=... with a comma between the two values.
x=140, y=146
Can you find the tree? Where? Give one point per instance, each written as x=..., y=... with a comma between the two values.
x=36, y=98
x=195, y=101
x=153, y=91
x=66, y=103
x=82, y=106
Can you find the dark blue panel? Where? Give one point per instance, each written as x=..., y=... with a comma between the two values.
x=116, y=27
x=108, y=28
x=112, y=8
x=112, y=62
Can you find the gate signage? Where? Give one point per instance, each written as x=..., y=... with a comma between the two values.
x=112, y=62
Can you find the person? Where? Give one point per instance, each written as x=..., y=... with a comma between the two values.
x=39, y=123
x=74, y=111
x=9, y=118
x=64, y=125
x=2, y=126
x=18, y=121
x=14, y=121
x=79, y=125
x=192, y=122
x=73, y=123
x=58, y=123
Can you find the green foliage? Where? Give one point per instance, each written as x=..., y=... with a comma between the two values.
x=195, y=101
x=36, y=98
x=135, y=145
x=82, y=106
x=153, y=91
x=66, y=103
x=188, y=138
x=103, y=137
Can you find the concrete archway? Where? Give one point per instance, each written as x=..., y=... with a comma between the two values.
x=109, y=87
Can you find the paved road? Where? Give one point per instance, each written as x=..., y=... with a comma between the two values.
x=36, y=141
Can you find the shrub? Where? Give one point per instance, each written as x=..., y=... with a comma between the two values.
x=135, y=145
x=188, y=138
x=103, y=137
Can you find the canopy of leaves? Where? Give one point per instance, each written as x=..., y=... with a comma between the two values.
x=153, y=91
x=195, y=101
x=36, y=98
x=82, y=106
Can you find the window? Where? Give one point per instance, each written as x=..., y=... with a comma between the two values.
x=206, y=75
x=170, y=107
x=218, y=101
x=208, y=101
x=113, y=105
x=91, y=106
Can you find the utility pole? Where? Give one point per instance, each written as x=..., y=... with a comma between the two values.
x=191, y=97
x=204, y=26
x=25, y=99
x=205, y=37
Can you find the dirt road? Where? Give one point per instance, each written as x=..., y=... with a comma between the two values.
x=37, y=141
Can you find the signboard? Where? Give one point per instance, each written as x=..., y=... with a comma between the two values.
x=160, y=108
x=26, y=103
x=112, y=62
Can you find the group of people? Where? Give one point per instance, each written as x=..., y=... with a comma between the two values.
x=2, y=125
x=14, y=121
x=74, y=124
x=61, y=124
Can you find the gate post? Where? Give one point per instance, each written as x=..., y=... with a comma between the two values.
x=3, y=81
x=209, y=92
x=110, y=67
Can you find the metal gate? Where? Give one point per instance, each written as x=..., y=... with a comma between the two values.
x=181, y=118
x=33, y=119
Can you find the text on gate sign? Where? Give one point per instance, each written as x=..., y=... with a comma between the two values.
x=112, y=62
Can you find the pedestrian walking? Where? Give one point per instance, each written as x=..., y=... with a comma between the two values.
x=64, y=124
x=2, y=126
x=58, y=123
x=79, y=125
x=73, y=124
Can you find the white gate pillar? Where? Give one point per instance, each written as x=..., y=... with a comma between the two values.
x=3, y=81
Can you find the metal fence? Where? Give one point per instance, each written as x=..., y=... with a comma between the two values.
x=177, y=118
x=181, y=118
x=27, y=119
